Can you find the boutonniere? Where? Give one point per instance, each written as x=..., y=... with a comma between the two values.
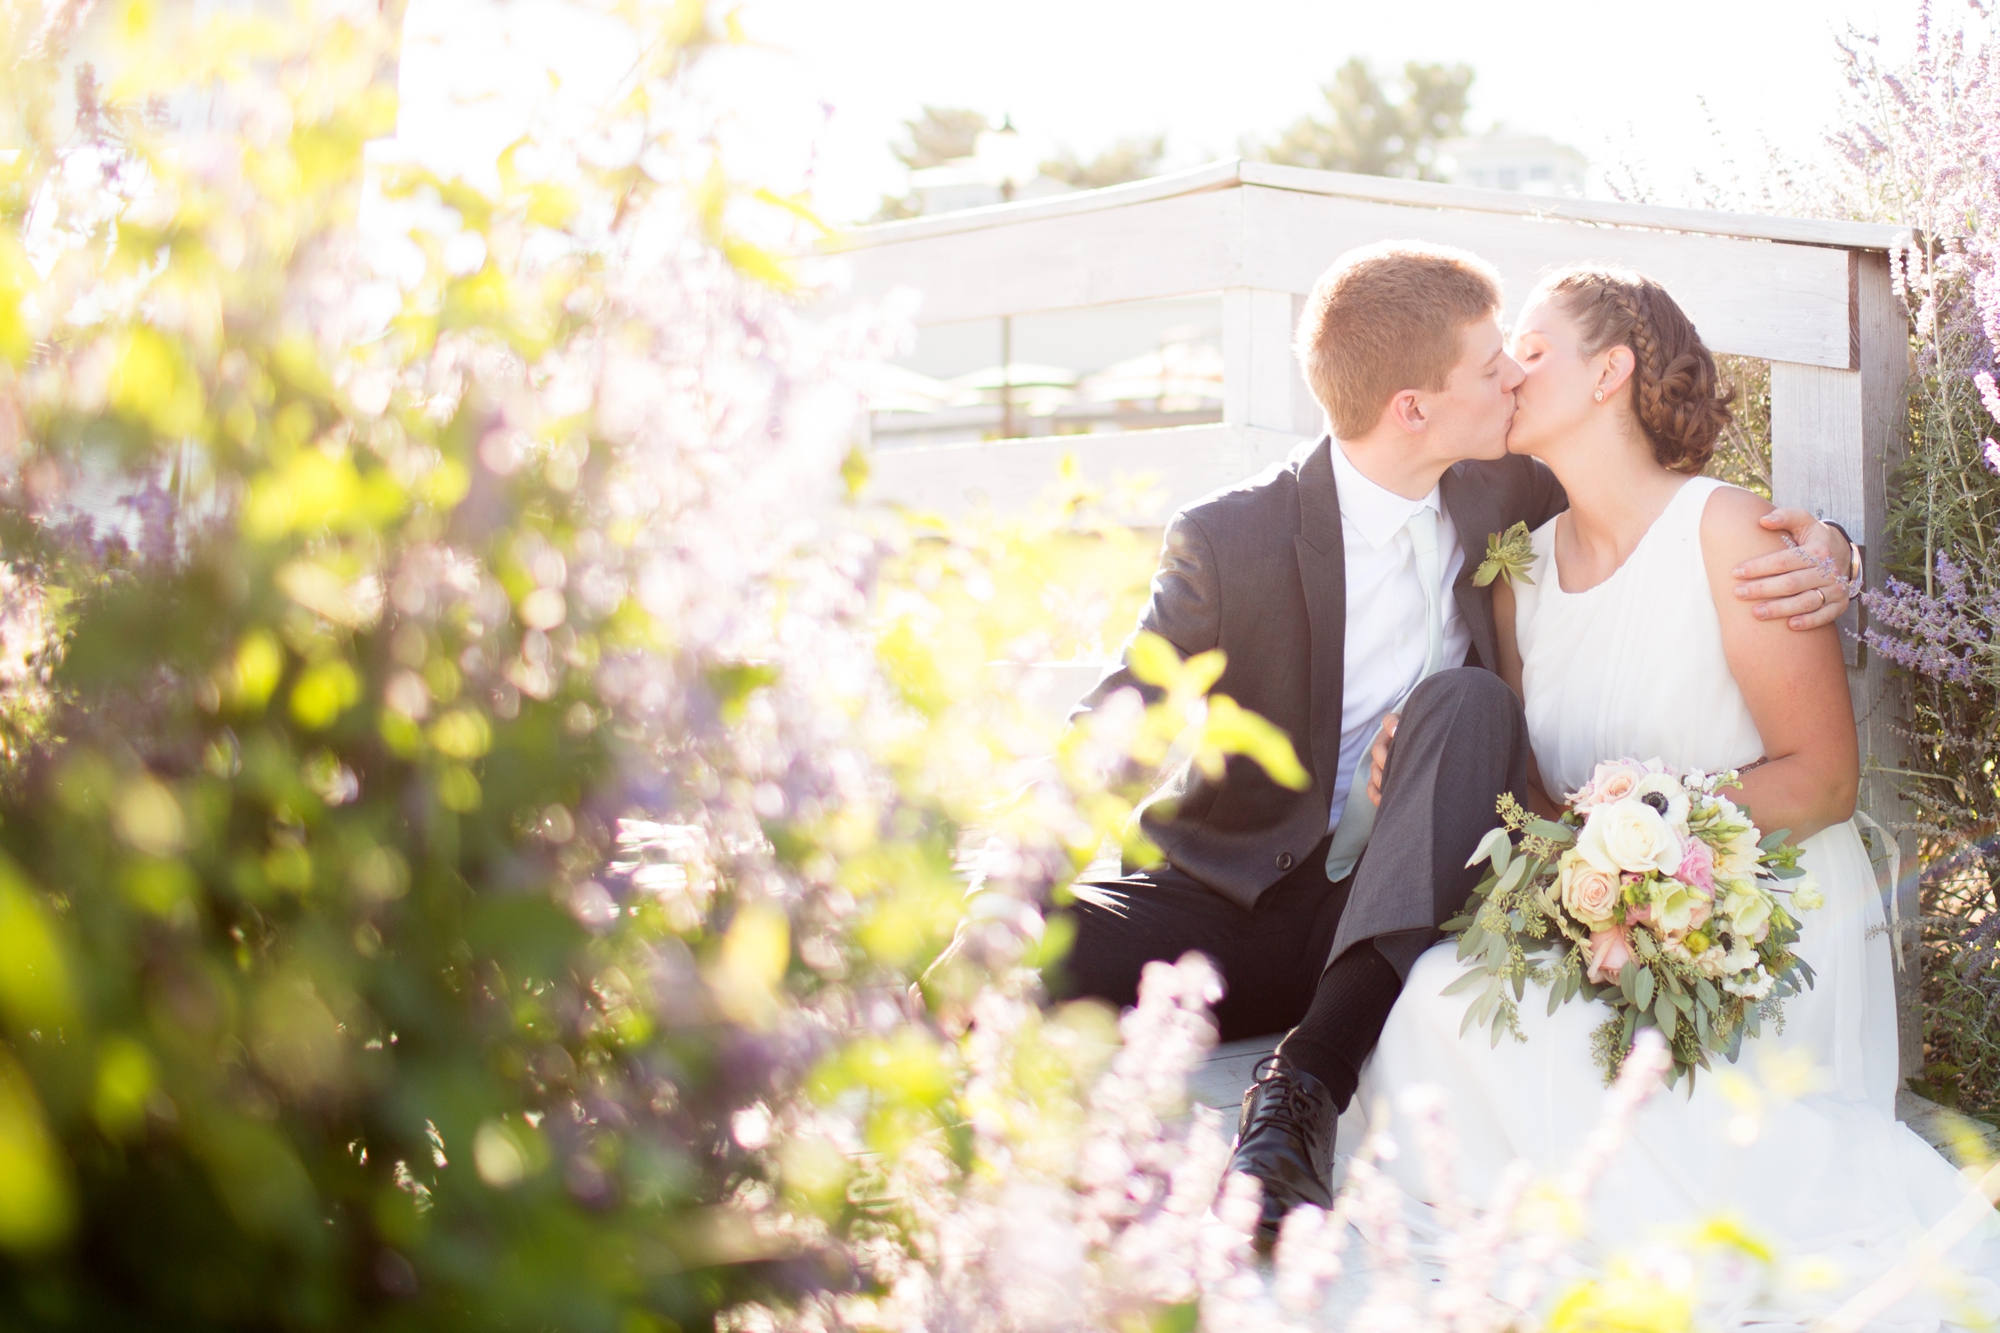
x=1509, y=553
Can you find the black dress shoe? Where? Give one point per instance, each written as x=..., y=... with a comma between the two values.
x=1284, y=1138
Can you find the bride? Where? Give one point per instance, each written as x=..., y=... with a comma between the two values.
x=1630, y=642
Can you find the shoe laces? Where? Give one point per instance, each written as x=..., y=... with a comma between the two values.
x=1285, y=1103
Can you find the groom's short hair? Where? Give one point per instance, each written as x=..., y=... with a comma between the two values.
x=1386, y=318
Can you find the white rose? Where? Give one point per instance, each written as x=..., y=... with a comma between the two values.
x=1806, y=895
x=1629, y=835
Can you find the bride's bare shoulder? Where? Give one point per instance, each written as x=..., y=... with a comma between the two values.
x=1731, y=530
x=1731, y=535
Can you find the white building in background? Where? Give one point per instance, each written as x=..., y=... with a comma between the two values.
x=1530, y=163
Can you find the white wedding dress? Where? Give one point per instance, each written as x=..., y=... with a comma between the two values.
x=1634, y=668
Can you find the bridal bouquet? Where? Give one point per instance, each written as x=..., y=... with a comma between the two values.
x=1655, y=894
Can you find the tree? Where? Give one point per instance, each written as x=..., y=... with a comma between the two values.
x=1379, y=130
x=1132, y=158
x=939, y=135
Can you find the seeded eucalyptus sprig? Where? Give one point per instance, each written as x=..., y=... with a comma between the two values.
x=1509, y=553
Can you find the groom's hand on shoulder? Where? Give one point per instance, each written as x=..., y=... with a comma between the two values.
x=1808, y=582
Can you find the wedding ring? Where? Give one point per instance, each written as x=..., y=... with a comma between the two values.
x=1822, y=599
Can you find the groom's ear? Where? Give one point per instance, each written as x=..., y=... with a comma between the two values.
x=1406, y=409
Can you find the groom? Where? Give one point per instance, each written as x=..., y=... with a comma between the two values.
x=1340, y=587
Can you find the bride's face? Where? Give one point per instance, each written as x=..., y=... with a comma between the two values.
x=1557, y=380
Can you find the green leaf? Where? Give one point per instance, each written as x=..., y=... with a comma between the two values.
x=1497, y=846
x=1642, y=988
x=1464, y=982
x=1233, y=729
x=1558, y=994
x=1770, y=842
x=1667, y=1017
x=1152, y=660
x=1560, y=834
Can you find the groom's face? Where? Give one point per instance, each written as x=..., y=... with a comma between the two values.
x=1469, y=417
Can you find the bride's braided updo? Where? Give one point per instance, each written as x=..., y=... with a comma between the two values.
x=1677, y=394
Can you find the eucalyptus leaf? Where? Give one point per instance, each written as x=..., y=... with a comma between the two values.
x=1464, y=982
x=1560, y=834
x=1497, y=846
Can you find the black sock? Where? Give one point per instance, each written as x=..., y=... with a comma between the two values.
x=1346, y=1016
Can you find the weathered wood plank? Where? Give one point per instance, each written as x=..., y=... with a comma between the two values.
x=1179, y=465
x=1165, y=247
x=1212, y=176
x=1754, y=298
x=1713, y=222
x=1385, y=189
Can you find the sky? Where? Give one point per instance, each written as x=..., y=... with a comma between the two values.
x=1697, y=85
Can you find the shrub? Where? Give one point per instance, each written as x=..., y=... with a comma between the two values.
x=1923, y=151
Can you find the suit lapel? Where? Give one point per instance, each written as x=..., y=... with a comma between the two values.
x=1474, y=517
x=1322, y=558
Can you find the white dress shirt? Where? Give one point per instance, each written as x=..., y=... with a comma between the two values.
x=1387, y=630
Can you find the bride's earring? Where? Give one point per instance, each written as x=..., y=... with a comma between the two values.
x=1599, y=395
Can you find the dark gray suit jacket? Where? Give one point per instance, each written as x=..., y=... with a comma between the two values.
x=1260, y=571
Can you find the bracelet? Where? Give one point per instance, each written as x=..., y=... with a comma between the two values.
x=1854, y=569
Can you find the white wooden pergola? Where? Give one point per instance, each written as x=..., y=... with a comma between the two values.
x=1811, y=297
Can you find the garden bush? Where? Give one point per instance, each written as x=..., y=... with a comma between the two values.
x=1924, y=152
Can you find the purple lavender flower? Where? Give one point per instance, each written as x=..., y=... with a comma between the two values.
x=1942, y=636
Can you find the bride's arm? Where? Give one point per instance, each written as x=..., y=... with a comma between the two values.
x=1793, y=681
x=1509, y=667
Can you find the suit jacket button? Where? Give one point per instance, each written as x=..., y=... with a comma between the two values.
x=1284, y=860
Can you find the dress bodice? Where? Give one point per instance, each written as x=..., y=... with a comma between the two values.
x=1634, y=667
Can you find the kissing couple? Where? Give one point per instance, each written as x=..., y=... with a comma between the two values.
x=1659, y=614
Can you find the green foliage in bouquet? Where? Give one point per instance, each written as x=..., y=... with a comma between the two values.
x=1521, y=926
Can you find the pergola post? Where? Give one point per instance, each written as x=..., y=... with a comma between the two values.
x=1836, y=437
x=1261, y=383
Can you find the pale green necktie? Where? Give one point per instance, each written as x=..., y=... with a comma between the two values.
x=1357, y=817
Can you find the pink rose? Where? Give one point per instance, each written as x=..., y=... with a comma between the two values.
x=1591, y=895
x=1612, y=780
x=1698, y=866
x=1610, y=950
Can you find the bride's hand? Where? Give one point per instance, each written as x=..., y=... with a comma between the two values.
x=1807, y=581
x=1379, y=755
